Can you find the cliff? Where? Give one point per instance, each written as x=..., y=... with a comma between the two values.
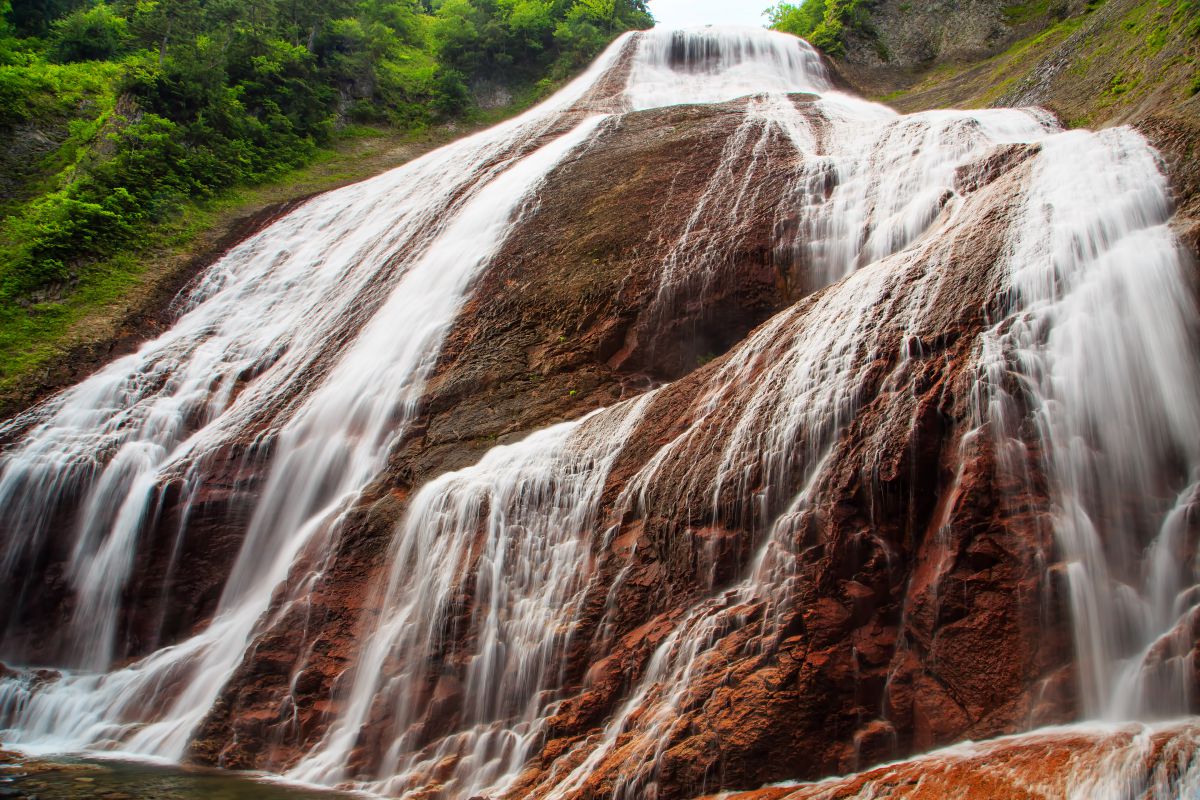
x=1093, y=64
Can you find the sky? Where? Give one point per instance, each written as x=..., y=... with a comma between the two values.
x=682, y=13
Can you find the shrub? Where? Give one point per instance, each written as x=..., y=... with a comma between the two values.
x=799, y=20
x=173, y=101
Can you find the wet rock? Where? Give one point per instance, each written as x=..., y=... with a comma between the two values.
x=923, y=608
x=569, y=318
x=1028, y=767
x=918, y=601
x=43, y=676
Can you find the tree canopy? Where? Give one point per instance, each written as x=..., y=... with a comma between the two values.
x=822, y=22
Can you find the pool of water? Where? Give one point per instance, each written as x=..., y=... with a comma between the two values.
x=69, y=778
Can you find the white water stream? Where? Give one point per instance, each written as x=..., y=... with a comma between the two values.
x=337, y=313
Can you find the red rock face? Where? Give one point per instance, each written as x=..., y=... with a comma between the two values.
x=201, y=511
x=901, y=614
x=558, y=326
x=1069, y=762
x=906, y=606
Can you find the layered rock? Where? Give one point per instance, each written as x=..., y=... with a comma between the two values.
x=910, y=606
x=894, y=618
x=201, y=506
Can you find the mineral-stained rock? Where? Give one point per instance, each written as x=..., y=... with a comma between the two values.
x=1068, y=762
x=570, y=317
x=871, y=576
x=907, y=623
x=917, y=610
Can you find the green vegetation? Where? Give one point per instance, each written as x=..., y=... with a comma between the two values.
x=1140, y=55
x=1189, y=12
x=33, y=333
x=824, y=23
x=1021, y=13
x=129, y=121
x=1119, y=84
x=993, y=78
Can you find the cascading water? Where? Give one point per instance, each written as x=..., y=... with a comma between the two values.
x=324, y=451
x=715, y=65
x=537, y=500
x=275, y=305
x=1102, y=331
x=315, y=338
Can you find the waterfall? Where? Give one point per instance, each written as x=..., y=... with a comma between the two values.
x=719, y=64
x=537, y=501
x=1102, y=332
x=277, y=304
x=252, y=304
x=307, y=350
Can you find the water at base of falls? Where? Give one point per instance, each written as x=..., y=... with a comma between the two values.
x=314, y=340
x=78, y=778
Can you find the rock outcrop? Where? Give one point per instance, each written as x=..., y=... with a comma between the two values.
x=1094, y=63
x=569, y=319
x=919, y=611
x=895, y=619
x=901, y=39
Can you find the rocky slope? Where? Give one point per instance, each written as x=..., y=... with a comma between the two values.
x=550, y=334
x=819, y=528
x=1093, y=63
x=921, y=591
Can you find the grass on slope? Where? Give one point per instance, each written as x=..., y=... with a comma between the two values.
x=1112, y=62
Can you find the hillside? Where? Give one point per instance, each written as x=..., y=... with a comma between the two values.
x=140, y=137
x=1093, y=63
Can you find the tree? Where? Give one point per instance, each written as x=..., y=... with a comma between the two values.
x=159, y=24
x=799, y=20
x=8, y=36
x=93, y=34
x=217, y=93
x=822, y=22
x=530, y=23
x=34, y=17
x=456, y=36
